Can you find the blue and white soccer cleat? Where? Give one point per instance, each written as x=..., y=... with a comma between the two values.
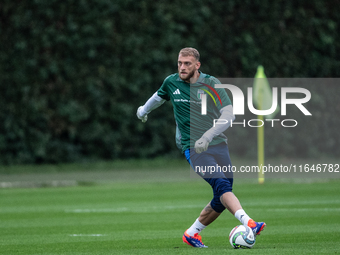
x=257, y=227
x=194, y=241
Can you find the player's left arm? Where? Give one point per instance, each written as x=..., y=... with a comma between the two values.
x=224, y=121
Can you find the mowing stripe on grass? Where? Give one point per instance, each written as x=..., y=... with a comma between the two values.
x=87, y=235
x=305, y=209
x=134, y=209
x=155, y=209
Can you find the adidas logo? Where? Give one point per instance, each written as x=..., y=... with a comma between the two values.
x=177, y=92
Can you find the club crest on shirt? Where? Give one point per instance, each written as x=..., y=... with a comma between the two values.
x=199, y=94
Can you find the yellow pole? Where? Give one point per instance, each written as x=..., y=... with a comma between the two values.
x=260, y=149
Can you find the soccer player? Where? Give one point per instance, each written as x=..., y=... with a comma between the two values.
x=203, y=143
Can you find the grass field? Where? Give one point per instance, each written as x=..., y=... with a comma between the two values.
x=149, y=215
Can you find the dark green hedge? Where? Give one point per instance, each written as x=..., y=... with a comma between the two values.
x=73, y=72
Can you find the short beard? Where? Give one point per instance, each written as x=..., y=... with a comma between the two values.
x=189, y=76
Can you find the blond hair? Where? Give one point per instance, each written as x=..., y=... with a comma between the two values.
x=190, y=52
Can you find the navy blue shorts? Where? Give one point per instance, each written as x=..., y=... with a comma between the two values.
x=214, y=166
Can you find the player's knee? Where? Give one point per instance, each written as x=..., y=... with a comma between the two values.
x=216, y=205
x=223, y=185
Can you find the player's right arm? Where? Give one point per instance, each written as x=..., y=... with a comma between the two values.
x=154, y=102
x=157, y=99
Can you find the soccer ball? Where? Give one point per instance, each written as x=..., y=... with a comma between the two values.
x=242, y=237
